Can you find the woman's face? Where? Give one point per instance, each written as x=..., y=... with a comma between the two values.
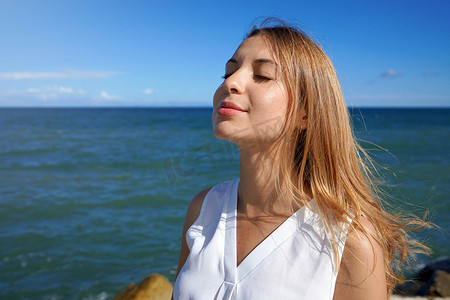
x=251, y=104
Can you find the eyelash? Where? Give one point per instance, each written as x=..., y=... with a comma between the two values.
x=261, y=78
x=257, y=77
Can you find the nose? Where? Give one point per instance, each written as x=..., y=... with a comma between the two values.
x=235, y=84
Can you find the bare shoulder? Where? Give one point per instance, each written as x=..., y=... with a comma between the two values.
x=359, y=243
x=195, y=207
x=192, y=214
x=361, y=273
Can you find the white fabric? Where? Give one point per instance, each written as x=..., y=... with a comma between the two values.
x=294, y=262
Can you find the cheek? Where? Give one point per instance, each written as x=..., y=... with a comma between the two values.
x=270, y=115
x=271, y=104
x=281, y=102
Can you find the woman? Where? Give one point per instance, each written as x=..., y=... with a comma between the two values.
x=304, y=191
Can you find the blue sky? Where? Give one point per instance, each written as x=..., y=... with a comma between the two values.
x=172, y=53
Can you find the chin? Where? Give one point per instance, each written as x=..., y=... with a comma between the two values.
x=221, y=132
x=227, y=131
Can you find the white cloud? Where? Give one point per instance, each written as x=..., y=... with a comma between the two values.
x=61, y=89
x=148, y=91
x=69, y=74
x=390, y=73
x=52, y=92
x=31, y=75
x=63, y=96
x=106, y=96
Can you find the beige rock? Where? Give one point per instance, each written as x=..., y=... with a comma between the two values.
x=441, y=285
x=153, y=287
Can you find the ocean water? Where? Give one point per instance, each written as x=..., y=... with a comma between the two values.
x=94, y=199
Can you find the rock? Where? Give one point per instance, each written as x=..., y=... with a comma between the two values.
x=433, y=280
x=409, y=288
x=441, y=286
x=398, y=297
x=153, y=287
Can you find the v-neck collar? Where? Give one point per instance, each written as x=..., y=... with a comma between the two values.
x=234, y=273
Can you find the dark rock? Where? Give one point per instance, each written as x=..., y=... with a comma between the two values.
x=432, y=280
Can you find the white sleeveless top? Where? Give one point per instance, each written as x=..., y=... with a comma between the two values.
x=293, y=262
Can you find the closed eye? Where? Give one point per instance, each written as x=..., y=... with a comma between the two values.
x=256, y=77
x=261, y=78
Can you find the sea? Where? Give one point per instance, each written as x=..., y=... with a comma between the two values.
x=93, y=199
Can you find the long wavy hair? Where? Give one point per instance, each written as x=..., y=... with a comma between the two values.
x=325, y=158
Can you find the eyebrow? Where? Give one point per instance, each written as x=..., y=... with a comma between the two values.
x=257, y=61
x=265, y=61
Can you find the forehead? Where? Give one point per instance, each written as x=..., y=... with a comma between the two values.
x=255, y=47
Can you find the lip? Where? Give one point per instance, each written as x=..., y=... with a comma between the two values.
x=229, y=108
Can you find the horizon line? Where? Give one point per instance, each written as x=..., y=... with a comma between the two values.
x=205, y=107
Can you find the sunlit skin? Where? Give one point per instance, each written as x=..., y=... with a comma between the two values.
x=252, y=97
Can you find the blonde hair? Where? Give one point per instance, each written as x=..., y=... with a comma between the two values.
x=325, y=158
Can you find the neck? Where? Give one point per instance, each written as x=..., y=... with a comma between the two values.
x=257, y=195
